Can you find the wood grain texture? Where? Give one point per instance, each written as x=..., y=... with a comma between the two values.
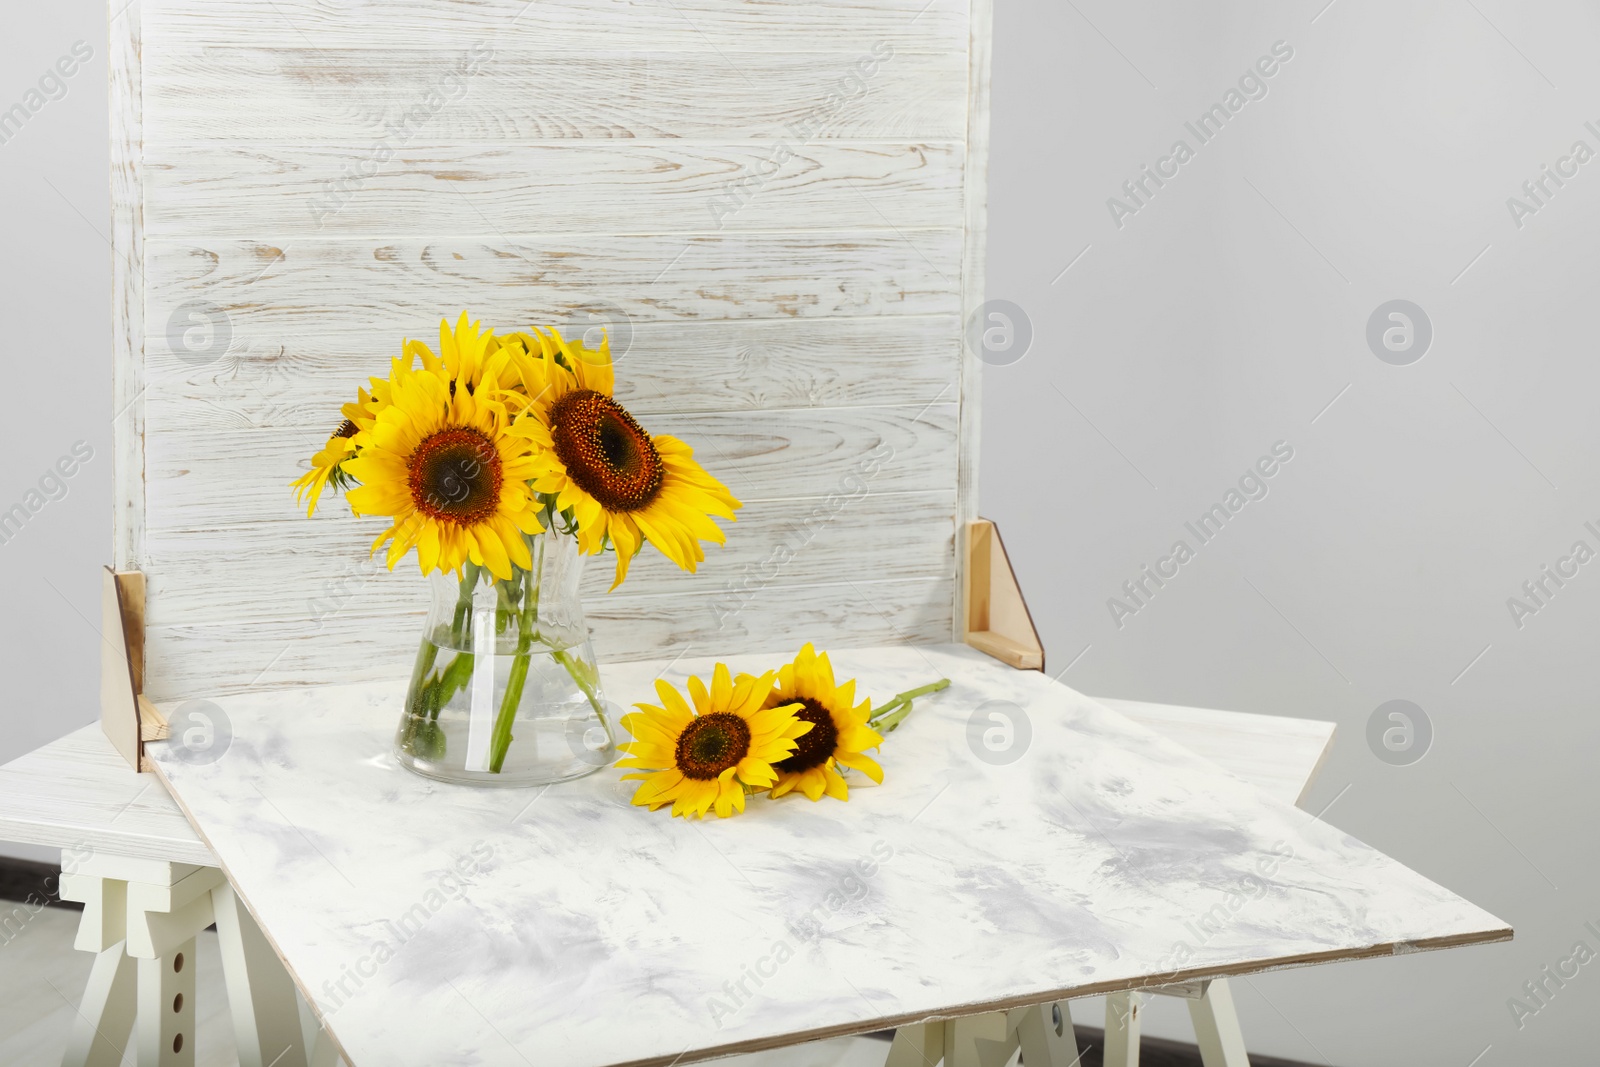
x=656, y=187
x=207, y=660
x=558, y=26
x=297, y=377
x=767, y=203
x=78, y=794
x=974, y=282
x=199, y=480
x=127, y=287
x=313, y=570
x=395, y=286
x=488, y=91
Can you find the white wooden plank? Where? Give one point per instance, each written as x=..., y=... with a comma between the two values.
x=78, y=794
x=312, y=570
x=488, y=91
x=212, y=479
x=293, y=377
x=127, y=286
x=973, y=279
x=408, y=284
x=549, y=163
x=579, y=187
x=847, y=26
x=214, y=659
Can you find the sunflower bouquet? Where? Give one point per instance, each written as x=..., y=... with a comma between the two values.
x=502, y=460
x=789, y=730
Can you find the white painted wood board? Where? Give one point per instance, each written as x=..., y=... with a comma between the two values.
x=564, y=926
x=777, y=206
x=79, y=795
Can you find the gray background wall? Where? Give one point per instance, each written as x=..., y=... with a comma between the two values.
x=1225, y=316
x=55, y=304
x=1222, y=317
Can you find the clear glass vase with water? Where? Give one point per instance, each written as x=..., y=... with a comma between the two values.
x=506, y=690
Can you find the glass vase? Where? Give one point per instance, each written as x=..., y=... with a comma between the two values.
x=506, y=691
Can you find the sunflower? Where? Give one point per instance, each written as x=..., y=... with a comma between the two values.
x=623, y=486
x=466, y=354
x=839, y=732
x=700, y=759
x=326, y=466
x=439, y=462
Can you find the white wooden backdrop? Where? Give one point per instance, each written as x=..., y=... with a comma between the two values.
x=778, y=205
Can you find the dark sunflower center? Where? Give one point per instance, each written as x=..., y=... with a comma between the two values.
x=454, y=476
x=817, y=743
x=711, y=744
x=346, y=429
x=605, y=451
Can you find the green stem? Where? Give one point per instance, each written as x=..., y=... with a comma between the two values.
x=574, y=668
x=440, y=691
x=426, y=654
x=500, y=740
x=892, y=714
x=527, y=628
x=469, y=582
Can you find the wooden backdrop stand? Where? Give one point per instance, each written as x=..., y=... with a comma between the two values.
x=127, y=718
x=997, y=621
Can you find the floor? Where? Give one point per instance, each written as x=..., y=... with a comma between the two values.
x=42, y=977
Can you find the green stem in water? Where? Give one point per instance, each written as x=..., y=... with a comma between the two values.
x=500, y=740
x=469, y=582
x=575, y=669
x=527, y=629
x=892, y=714
x=460, y=669
x=426, y=654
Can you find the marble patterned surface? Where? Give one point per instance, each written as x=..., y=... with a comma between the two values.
x=437, y=924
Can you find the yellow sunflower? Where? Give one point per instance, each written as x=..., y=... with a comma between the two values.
x=326, y=466
x=439, y=461
x=700, y=759
x=839, y=732
x=624, y=486
x=466, y=354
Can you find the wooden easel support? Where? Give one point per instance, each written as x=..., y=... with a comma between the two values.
x=997, y=618
x=126, y=716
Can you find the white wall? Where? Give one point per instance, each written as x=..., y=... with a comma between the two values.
x=55, y=304
x=1218, y=320
x=1223, y=317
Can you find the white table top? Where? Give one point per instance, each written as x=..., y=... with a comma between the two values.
x=566, y=927
x=1279, y=756
x=78, y=791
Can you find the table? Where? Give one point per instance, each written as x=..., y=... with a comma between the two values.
x=149, y=885
x=78, y=795
x=431, y=923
